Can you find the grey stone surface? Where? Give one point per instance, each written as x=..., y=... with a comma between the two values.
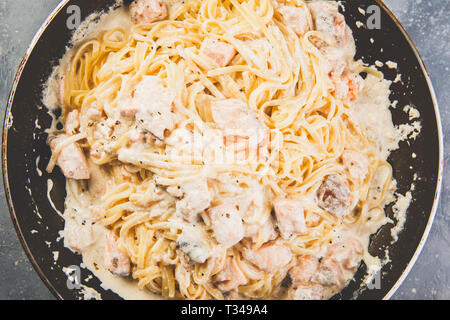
x=425, y=20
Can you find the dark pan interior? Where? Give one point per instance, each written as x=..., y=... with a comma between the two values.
x=23, y=142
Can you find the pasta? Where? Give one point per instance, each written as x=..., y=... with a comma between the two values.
x=261, y=96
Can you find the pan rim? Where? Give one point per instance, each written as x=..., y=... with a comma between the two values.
x=18, y=77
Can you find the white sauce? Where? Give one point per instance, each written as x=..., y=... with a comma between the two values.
x=39, y=172
x=371, y=109
x=379, y=64
x=412, y=112
x=400, y=207
x=49, y=190
x=391, y=65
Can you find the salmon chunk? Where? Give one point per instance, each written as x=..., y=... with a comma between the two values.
x=196, y=198
x=337, y=63
x=220, y=52
x=71, y=159
x=329, y=273
x=338, y=48
x=308, y=292
x=348, y=86
x=226, y=224
x=356, y=165
x=152, y=106
x=302, y=273
x=72, y=123
x=114, y=259
x=148, y=11
x=236, y=120
x=328, y=20
x=334, y=195
x=78, y=236
x=230, y=277
x=251, y=199
x=264, y=233
x=296, y=18
x=348, y=253
x=271, y=257
x=290, y=217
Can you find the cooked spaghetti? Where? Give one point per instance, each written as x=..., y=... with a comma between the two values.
x=211, y=149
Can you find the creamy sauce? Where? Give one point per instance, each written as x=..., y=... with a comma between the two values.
x=49, y=190
x=412, y=112
x=400, y=208
x=359, y=24
x=391, y=64
x=39, y=172
x=372, y=111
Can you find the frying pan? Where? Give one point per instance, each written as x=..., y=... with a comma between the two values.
x=25, y=153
